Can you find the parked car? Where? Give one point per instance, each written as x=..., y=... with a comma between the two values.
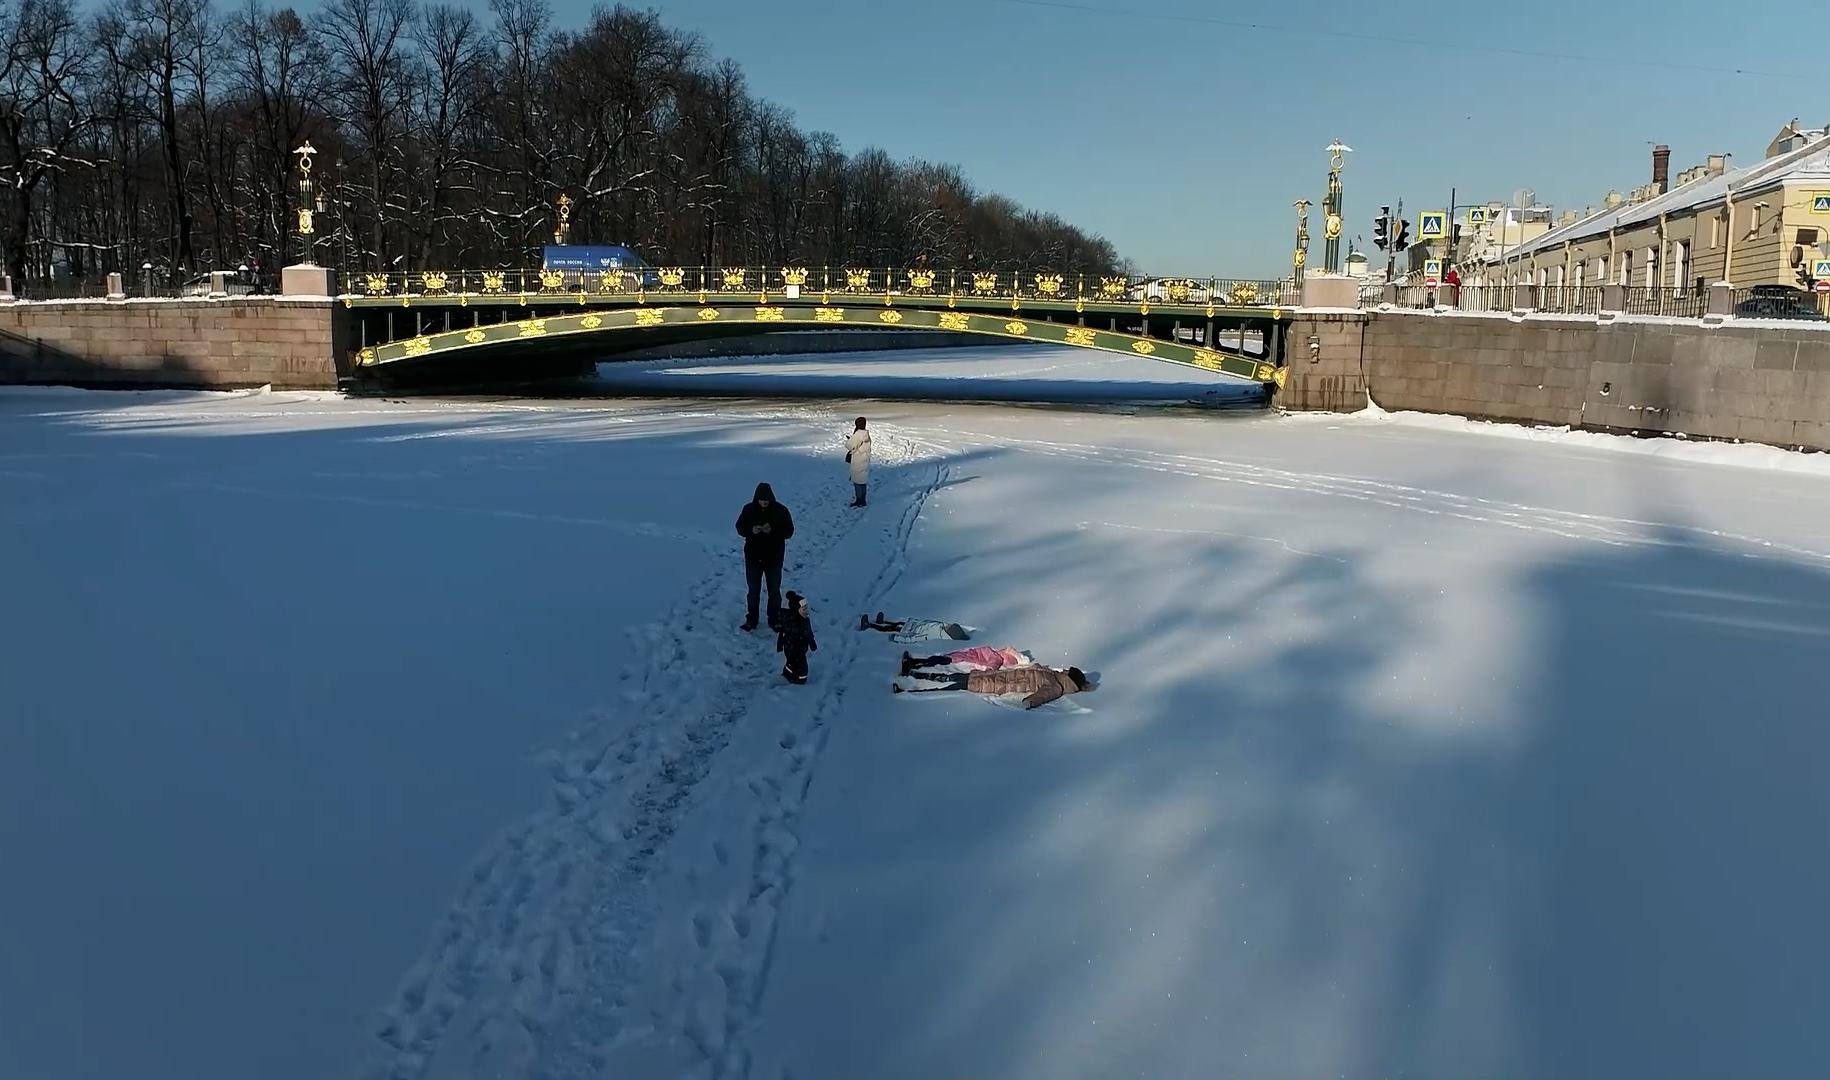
x=1778, y=302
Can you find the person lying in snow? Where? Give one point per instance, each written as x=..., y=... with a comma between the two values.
x=913, y=630
x=1041, y=684
x=977, y=658
x=794, y=639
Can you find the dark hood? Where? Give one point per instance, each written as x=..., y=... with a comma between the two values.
x=764, y=491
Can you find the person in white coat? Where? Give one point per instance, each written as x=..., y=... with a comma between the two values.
x=858, y=455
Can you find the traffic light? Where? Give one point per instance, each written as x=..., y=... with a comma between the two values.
x=1382, y=228
x=1403, y=239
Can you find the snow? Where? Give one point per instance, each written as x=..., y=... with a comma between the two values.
x=417, y=739
x=1018, y=373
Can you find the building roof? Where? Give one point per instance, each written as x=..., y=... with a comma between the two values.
x=1807, y=163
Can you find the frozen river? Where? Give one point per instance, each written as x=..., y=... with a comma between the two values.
x=418, y=739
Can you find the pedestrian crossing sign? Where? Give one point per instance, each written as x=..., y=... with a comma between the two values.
x=1431, y=225
x=1820, y=202
x=1477, y=215
x=1820, y=269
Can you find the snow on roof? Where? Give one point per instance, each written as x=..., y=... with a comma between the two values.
x=1808, y=162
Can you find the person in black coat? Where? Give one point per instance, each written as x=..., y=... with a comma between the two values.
x=794, y=640
x=765, y=526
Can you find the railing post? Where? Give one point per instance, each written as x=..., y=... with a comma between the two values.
x=1524, y=298
x=1390, y=295
x=1721, y=302
x=1613, y=298
x=6, y=288
x=116, y=289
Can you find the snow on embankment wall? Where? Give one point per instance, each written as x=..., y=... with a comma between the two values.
x=1758, y=383
x=224, y=343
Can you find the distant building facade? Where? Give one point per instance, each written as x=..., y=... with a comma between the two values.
x=1757, y=225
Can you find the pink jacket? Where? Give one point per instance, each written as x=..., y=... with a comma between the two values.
x=987, y=657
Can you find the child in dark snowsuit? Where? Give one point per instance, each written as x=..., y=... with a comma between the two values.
x=794, y=640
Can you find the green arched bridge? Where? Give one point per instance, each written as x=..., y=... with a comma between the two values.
x=418, y=318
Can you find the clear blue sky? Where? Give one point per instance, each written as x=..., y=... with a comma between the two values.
x=1185, y=142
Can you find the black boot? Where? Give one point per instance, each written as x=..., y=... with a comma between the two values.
x=864, y=622
x=749, y=624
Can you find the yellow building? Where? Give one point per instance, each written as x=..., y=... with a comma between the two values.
x=1751, y=226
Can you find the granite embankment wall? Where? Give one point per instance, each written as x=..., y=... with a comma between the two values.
x=225, y=343
x=1766, y=383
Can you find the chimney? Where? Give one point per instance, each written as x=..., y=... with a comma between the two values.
x=1661, y=168
x=1718, y=164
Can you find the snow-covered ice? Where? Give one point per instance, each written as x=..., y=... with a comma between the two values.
x=1015, y=373
x=417, y=739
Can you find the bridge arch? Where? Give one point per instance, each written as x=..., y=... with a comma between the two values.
x=574, y=331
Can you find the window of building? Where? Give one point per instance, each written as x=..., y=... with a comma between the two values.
x=1651, y=268
x=1715, y=230
x=1601, y=270
x=1807, y=237
x=1580, y=267
x=1626, y=268
x=1680, y=264
x=1559, y=277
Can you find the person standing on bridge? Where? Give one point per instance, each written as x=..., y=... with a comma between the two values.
x=766, y=526
x=858, y=456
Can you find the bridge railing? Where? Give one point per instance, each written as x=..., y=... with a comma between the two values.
x=915, y=281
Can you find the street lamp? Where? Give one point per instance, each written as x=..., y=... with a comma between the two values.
x=1331, y=207
x=146, y=278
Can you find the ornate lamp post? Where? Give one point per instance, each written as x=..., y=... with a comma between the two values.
x=307, y=204
x=1301, y=258
x=563, y=234
x=1331, y=206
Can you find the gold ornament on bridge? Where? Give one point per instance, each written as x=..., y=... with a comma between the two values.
x=433, y=281
x=829, y=314
x=955, y=320
x=1331, y=227
x=475, y=337
x=733, y=279
x=1080, y=335
x=1210, y=361
x=1178, y=290
x=1244, y=294
x=707, y=314
x=1143, y=348
x=591, y=322
x=610, y=281
x=672, y=277
x=1048, y=284
x=305, y=227
x=1113, y=288
x=417, y=346
x=533, y=327
x=552, y=279
x=650, y=317
x=375, y=284
x=495, y=281
x=1267, y=373
x=1300, y=258
x=857, y=280
x=983, y=284
x=1017, y=326
x=794, y=275
x=891, y=317
x=770, y=314
x=365, y=357
x=921, y=279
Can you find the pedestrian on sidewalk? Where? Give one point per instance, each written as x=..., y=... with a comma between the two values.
x=858, y=456
x=795, y=639
x=766, y=527
x=1041, y=684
